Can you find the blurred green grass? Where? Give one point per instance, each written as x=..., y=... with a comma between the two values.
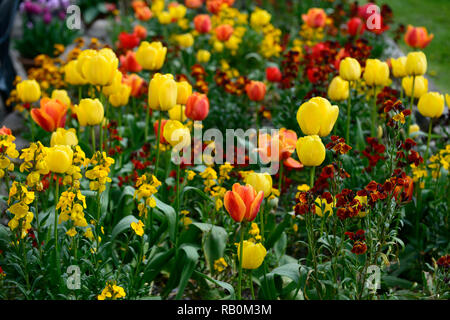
x=435, y=16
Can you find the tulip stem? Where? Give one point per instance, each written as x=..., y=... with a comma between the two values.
x=280, y=178
x=250, y=284
x=262, y=221
x=147, y=119
x=57, y=262
x=93, y=139
x=311, y=177
x=349, y=107
x=374, y=112
x=157, y=143
x=430, y=128
x=178, y=206
x=241, y=250
x=411, y=106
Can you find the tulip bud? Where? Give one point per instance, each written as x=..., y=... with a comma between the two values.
x=253, y=254
x=185, y=40
x=260, y=18
x=224, y=32
x=256, y=90
x=317, y=116
x=243, y=202
x=376, y=72
x=417, y=37
x=416, y=63
x=273, y=74
x=178, y=113
x=64, y=137
x=176, y=134
x=59, y=158
x=121, y=96
x=349, y=69
x=28, y=91
x=355, y=26
x=431, y=105
x=260, y=182
x=151, y=56
x=184, y=91
x=162, y=92
x=218, y=46
x=140, y=32
x=310, y=150
x=99, y=68
x=203, y=56
x=197, y=106
x=164, y=17
x=420, y=86
x=315, y=18
x=202, y=23
x=89, y=112
x=61, y=96
x=413, y=128
x=338, y=89
x=398, y=67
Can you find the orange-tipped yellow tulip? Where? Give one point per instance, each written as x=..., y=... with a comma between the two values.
x=242, y=202
x=51, y=114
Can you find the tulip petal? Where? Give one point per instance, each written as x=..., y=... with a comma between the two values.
x=247, y=194
x=292, y=163
x=234, y=205
x=254, y=207
x=43, y=120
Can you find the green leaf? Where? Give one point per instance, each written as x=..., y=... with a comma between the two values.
x=170, y=214
x=214, y=241
x=189, y=262
x=123, y=225
x=222, y=284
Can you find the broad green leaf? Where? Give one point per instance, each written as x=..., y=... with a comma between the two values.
x=123, y=225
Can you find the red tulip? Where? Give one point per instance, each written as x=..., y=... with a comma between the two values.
x=417, y=37
x=128, y=62
x=315, y=18
x=355, y=26
x=197, y=106
x=155, y=129
x=140, y=32
x=143, y=13
x=273, y=74
x=224, y=32
x=256, y=90
x=243, y=203
x=202, y=23
x=128, y=40
x=193, y=4
x=51, y=115
x=137, y=84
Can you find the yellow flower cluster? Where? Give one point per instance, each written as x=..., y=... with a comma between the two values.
x=138, y=227
x=218, y=193
x=438, y=161
x=72, y=203
x=310, y=36
x=210, y=178
x=237, y=20
x=220, y=265
x=112, y=292
x=21, y=197
x=99, y=174
x=34, y=162
x=185, y=219
x=73, y=174
x=254, y=231
x=147, y=186
x=224, y=170
x=7, y=151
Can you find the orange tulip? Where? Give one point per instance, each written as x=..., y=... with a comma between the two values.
x=417, y=37
x=256, y=90
x=51, y=114
x=193, y=4
x=286, y=140
x=197, y=106
x=202, y=23
x=242, y=203
x=224, y=32
x=315, y=18
x=406, y=191
x=128, y=62
x=155, y=129
x=143, y=13
x=136, y=83
x=140, y=32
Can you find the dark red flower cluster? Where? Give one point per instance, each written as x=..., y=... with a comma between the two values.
x=338, y=145
x=113, y=138
x=406, y=155
x=358, y=238
x=199, y=74
x=320, y=61
x=305, y=203
x=373, y=152
x=400, y=113
x=236, y=87
x=359, y=50
x=32, y=236
x=348, y=206
x=444, y=261
x=290, y=68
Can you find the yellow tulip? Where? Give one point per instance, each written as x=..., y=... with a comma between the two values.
x=59, y=158
x=416, y=63
x=115, y=84
x=259, y=18
x=176, y=134
x=399, y=67
x=164, y=17
x=151, y=56
x=100, y=68
x=185, y=40
x=447, y=99
x=349, y=69
x=317, y=116
x=260, y=182
x=72, y=75
x=413, y=128
x=376, y=73
x=90, y=112
x=176, y=112
x=431, y=104
x=64, y=137
x=203, y=56
x=28, y=91
x=121, y=96
x=310, y=150
x=420, y=86
x=184, y=91
x=218, y=46
x=162, y=92
x=338, y=89
x=177, y=12
x=62, y=96
x=253, y=254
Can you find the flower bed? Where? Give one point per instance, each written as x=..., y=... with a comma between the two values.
x=224, y=150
